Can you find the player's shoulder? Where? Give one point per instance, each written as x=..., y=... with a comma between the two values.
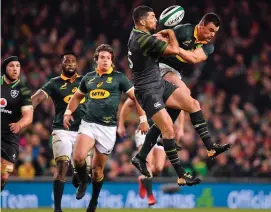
x=118, y=74
x=90, y=74
x=23, y=88
x=186, y=26
x=55, y=79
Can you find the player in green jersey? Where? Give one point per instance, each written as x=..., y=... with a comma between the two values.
x=16, y=113
x=61, y=89
x=97, y=131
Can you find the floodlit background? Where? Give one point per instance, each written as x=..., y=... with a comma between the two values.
x=233, y=86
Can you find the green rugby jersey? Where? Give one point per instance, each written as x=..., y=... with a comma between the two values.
x=61, y=90
x=103, y=92
x=187, y=36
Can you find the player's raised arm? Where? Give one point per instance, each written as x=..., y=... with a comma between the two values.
x=173, y=46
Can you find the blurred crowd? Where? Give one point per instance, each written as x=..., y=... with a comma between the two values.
x=233, y=86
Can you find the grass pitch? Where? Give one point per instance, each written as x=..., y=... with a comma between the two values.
x=142, y=210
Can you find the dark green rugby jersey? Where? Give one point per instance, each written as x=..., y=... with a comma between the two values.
x=186, y=35
x=144, y=52
x=61, y=90
x=103, y=94
x=13, y=97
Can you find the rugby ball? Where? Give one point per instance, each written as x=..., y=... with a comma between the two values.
x=171, y=16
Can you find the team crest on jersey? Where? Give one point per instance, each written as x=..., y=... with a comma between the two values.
x=14, y=93
x=109, y=79
x=74, y=89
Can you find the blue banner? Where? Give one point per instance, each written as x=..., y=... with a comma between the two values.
x=125, y=195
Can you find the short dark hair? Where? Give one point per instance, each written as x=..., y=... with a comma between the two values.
x=141, y=12
x=211, y=17
x=104, y=47
x=68, y=53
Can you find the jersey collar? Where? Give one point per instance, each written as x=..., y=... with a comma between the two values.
x=137, y=30
x=12, y=84
x=109, y=71
x=196, y=36
x=72, y=79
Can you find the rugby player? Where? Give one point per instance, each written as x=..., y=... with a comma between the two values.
x=154, y=93
x=98, y=127
x=16, y=113
x=195, y=46
x=61, y=89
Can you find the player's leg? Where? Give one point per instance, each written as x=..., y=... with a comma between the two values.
x=98, y=163
x=6, y=169
x=181, y=100
x=105, y=140
x=9, y=155
x=62, y=150
x=84, y=143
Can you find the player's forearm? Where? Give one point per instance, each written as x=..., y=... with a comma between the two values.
x=74, y=102
x=189, y=56
x=37, y=98
x=125, y=107
x=173, y=45
x=27, y=118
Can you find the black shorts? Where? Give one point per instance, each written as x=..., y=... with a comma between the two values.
x=153, y=100
x=10, y=147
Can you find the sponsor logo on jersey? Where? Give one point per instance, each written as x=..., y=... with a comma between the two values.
x=109, y=79
x=63, y=86
x=99, y=94
x=68, y=98
x=3, y=102
x=157, y=105
x=100, y=84
x=187, y=42
x=14, y=93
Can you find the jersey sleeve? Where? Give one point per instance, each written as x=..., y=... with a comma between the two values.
x=181, y=32
x=151, y=46
x=125, y=84
x=48, y=88
x=208, y=49
x=25, y=97
x=82, y=86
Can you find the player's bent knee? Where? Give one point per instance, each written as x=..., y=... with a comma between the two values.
x=97, y=172
x=62, y=166
x=79, y=158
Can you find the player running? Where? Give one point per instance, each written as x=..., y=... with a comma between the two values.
x=16, y=113
x=103, y=89
x=61, y=89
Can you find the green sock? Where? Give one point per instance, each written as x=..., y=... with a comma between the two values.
x=96, y=188
x=82, y=172
x=172, y=154
x=58, y=187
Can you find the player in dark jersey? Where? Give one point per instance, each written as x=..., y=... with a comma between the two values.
x=16, y=113
x=61, y=89
x=97, y=131
x=144, y=52
x=195, y=44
